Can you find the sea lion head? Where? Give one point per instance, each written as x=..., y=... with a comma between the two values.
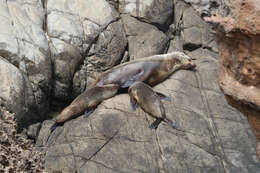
x=132, y=90
x=139, y=89
x=179, y=60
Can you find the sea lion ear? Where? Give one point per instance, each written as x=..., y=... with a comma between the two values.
x=133, y=103
x=164, y=97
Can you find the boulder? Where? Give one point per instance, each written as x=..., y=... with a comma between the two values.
x=17, y=94
x=143, y=39
x=216, y=137
x=159, y=12
x=190, y=29
x=24, y=44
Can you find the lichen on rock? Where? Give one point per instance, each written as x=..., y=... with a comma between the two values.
x=17, y=154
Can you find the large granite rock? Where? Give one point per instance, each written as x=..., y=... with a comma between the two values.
x=82, y=31
x=189, y=30
x=23, y=43
x=152, y=11
x=114, y=138
x=16, y=93
x=143, y=39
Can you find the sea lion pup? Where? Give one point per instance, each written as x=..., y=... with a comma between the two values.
x=86, y=101
x=151, y=70
x=150, y=101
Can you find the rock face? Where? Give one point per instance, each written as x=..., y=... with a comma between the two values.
x=190, y=31
x=239, y=58
x=16, y=92
x=114, y=138
x=143, y=39
x=24, y=44
x=50, y=51
x=152, y=11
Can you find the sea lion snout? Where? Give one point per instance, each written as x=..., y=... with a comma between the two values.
x=188, y=64
x=186, y=61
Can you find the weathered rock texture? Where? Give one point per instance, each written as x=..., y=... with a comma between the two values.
x=143, y=39
x=16, y=92
x=158, y=12
x=17, y=153
x=24, y=44
x=190, y=31
x=239, y=57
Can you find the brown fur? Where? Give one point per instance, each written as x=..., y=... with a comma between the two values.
x=148, y=100
x=156, y=69
x=86, y=101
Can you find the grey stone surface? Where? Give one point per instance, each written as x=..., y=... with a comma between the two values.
x=114, y=138
x=143, y=39
x=151, y=11
x=193, y=32
x=16, y=93
x=175, y=44
x=24, y=44
x=33, y=130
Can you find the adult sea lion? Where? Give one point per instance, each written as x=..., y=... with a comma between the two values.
x=86, y=102
x=150, y=101
x=151, y=70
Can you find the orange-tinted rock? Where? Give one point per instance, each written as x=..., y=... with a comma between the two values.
x=239, y=58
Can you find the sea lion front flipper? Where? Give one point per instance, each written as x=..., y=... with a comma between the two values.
x=88, y=113
x=155, y=124
x=127, y=83
x=164, y=97
x=133, y=79
x=133, y=103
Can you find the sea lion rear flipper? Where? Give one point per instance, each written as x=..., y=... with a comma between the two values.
x=133, y=103
x=164, y=97
x=88, y=113
x=173, y=124
x=155, y=124
x=53, y=127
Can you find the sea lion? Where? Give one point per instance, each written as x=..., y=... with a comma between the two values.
x=86, y=101
x=144, y=96
x=151, y=70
